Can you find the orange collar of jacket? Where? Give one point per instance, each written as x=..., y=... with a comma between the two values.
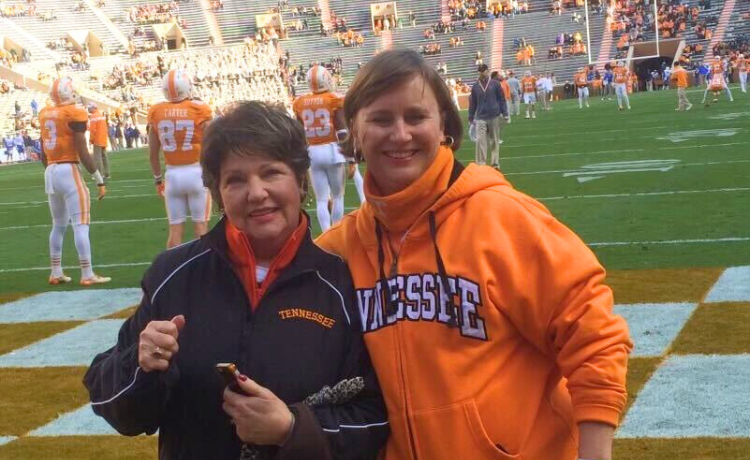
x=244, y=264
x=398, y=211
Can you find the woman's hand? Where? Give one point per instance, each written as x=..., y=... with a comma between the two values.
x=259, y=416
x=158, y=343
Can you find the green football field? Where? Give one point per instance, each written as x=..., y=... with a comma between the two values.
x=662, y=198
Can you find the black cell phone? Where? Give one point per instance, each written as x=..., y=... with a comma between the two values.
x=229, y=374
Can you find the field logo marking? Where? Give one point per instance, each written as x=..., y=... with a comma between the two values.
x=729, y=116
x=600, y=170
x=682, y=136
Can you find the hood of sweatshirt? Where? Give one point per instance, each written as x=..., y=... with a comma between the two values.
x=443, y=188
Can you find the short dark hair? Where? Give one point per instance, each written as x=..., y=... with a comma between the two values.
x=389, y=70
x=254, y=128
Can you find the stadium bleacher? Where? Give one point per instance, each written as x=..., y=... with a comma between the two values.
x=236, y=22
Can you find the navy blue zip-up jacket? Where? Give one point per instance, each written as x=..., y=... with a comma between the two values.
x=285, y=344
x=489, y=104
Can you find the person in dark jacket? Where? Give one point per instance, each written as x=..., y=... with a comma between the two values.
x=486, y=106
x=257, y=292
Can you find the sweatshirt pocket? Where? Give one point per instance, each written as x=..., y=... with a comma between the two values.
x=456, y=432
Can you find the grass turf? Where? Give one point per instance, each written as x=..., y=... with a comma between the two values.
x=632, y=209
x=720, y=328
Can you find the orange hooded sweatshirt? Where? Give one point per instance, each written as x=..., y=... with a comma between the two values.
x=532, y=347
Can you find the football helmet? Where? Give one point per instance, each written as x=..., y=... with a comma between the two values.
x=63, y=91
x=319, y=79
x=177, y=85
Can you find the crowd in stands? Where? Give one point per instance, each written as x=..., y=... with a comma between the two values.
x=508, y=9
x=466, y=9
x=525, y=52
x=568, y=44
x=154, y=13
x=431, y=50
x=632, y=20
x=9, y=57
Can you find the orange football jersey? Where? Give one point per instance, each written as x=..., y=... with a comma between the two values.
x=529, y=84
x=179, y=126
x=316, y=112
x=621, y=75
x=98, y=129
x=743, y=65
x=581, y=79
x=57, y=136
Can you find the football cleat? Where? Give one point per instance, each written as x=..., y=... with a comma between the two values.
x=177, y=85
x=96, y=279
x=63, y=91
x=320, y=80
x=55, y=280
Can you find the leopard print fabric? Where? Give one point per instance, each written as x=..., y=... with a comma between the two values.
x=340, y=393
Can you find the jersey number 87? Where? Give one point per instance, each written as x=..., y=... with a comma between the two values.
x=167, y=129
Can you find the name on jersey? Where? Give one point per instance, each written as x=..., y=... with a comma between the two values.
x=176, y=113
x=423, y=297
x=312, y=101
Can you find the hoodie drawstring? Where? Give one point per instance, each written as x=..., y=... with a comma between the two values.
x=443, y=274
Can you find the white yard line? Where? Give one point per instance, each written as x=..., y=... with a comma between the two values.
x=548, y=198
x=73, y=267
x=692, y=241
x=563, y=171
x=641, y=194
x=100, y=222
x=593, y=245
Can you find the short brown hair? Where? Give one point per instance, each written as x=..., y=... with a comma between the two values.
x=253, y=128
x=389, y=70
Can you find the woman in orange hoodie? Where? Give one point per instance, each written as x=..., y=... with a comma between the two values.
x=487, y=320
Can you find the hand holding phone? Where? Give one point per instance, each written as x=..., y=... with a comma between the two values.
x=229, y=374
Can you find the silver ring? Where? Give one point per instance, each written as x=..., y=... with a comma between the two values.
x=157, y=353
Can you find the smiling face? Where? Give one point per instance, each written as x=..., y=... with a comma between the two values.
x=261, y=197
x=399, y=134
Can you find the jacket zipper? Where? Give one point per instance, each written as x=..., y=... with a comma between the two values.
x=394, y=272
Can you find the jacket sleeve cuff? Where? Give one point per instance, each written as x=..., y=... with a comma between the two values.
x=602, y=414
x=307, y=440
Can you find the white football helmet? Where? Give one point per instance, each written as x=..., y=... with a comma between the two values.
x=320, y=80
x=177, y=85
x=63, y=91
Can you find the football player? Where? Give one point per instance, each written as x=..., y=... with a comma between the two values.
x=321, y=113
x=581, y=82
x=176, y=128
x=716, y=82
x=528, y=84
x=63, y=133
x=743, y=64
x=622, y=76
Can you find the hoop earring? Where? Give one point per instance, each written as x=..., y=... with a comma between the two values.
x=449, y=141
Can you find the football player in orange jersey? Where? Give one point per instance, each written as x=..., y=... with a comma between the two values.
x=622, y=76
x=98, y=139
x=321, y=113
x=716, y=82
x=63, y=133
x=743, y=65
x=581, y=82
x=528, y=85
x=176, y=127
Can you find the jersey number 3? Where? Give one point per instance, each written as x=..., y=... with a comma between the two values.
x=319, y=117
x=167, y=129
x=51, y=142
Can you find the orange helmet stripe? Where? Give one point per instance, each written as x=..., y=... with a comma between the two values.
x=172, y=84
x=53, y=93
x=315, y=86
